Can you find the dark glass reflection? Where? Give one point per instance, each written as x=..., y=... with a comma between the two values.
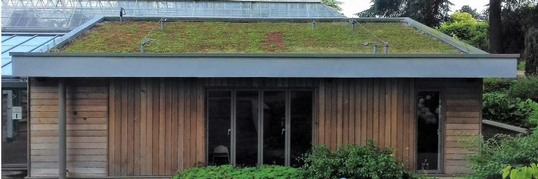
x=219, y=122
x=301, y=125
x=247, y=128
x=428, y=109
x=274, y=124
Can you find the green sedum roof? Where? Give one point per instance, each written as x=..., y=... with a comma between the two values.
x=266, y=37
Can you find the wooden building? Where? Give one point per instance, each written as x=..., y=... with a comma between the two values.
x=153, y=114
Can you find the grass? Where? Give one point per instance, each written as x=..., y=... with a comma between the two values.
x=223, y=37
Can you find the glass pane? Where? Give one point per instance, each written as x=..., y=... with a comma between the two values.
x=428, y=107
x=218, y=119
x=246, y=128
x=274, y=124
x=301, y=125
x=14, y=131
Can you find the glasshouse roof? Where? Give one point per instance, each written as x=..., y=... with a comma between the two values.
x=49, y=15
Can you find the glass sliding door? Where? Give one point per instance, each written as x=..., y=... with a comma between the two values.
x=274, y=127
x=246, y=128
x=253, y=127
x=219, y=110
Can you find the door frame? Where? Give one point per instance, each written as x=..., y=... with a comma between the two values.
x=441, y=133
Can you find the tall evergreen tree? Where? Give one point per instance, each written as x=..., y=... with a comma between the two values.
x=495, y=27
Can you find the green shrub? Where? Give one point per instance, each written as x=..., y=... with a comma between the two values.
x=463, y=26
x=502, y=108
x=352, y=161
x=521, y=66
x=525, y=88
x=521, y=173
x=494, y=154
x=230, y=172
x=496, y=85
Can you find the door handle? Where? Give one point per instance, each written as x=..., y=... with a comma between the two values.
x=229, y=130
x=283, y=131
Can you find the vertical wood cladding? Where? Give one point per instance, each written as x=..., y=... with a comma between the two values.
x=86, y=127
x=156, y=126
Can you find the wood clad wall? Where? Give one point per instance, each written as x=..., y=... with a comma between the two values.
x=86, y=127
x=156, y=126
x=353, y=111
x=349, y=111
x=462, y=117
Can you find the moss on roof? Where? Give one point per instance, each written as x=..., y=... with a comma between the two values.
x=225, y=37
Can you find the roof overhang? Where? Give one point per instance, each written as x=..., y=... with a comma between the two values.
x=265, y=65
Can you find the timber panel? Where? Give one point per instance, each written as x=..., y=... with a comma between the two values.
x=354, y=111
x=156, y=126
x=86, y=127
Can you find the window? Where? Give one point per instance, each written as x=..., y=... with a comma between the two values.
x=428, y=134
x=253, y=127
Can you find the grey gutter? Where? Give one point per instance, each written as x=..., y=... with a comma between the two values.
x=252, y=65
x=261, y=55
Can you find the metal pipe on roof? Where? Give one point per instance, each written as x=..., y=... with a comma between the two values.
x=62, y=170
x=385, y=48
x=375, y=48
x=313, y=25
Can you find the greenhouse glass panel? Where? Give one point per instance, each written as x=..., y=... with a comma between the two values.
x=22, y=43
x=69, y=14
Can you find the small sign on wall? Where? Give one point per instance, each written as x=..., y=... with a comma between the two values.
x=16, y=112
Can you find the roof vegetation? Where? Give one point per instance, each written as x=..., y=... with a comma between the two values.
x=266, y=37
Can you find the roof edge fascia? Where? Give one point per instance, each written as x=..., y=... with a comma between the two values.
x=260, y=55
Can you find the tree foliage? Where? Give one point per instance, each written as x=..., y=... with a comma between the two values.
x=468, y=9
x=335, y=4
x=464, y=27
x=429, y=12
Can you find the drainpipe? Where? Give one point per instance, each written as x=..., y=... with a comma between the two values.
x=62, y=170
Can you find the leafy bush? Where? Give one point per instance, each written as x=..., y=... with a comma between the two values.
x=494, y=154
x=463, y=26
x=230, y=172
x=521, y=66
x=521, y=173
x=352, y=161
x=496, y=85
x=525, y=88
x=502, y=108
